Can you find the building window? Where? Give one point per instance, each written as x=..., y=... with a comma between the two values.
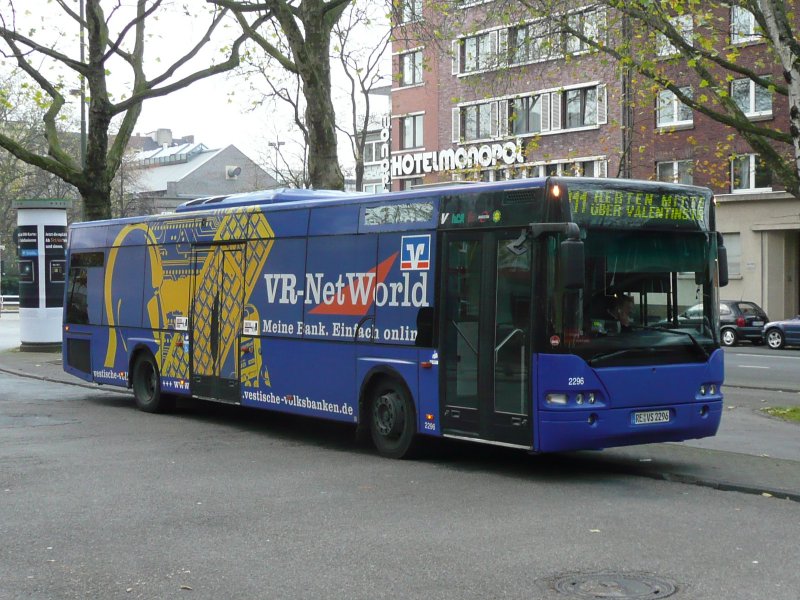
x=580, y=108
x=407, y=184
x=411, y=132
x=410, y=10
x=672, y=111
x=676, y=171
x=684, y=27
x=752, y=99
x=530, y=43
x=571, y=168
x=743, y=26
x=525, y=115
x=589, y=24
x=478, y=52
x=478, y=121
x=749, y=173
x=411, y=68
x=733, y=243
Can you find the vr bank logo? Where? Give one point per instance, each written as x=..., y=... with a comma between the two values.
x=415, y=253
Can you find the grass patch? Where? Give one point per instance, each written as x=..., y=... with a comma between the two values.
x=787, y=413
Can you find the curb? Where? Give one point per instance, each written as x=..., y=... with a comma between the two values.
x=725, y=486
x=88, y=386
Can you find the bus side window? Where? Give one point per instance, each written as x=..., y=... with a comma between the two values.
x=84, y=305
x=77, y=300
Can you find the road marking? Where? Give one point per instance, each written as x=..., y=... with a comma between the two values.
x=763, y=355
x=752, y=367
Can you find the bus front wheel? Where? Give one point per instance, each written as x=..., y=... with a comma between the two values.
x=392, y=419
x=146, y=385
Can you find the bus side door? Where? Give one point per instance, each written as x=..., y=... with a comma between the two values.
x=217, y=305
x=485, y=358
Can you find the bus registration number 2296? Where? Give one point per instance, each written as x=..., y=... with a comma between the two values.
x=651, y=416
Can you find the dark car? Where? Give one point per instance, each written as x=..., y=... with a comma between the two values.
x=778, y=334
x=741, y=320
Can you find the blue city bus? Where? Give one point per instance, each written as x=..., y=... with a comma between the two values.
x=478, y=312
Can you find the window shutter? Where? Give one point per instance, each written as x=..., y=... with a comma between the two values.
x=545, y=100
x=602, y=104
x=503, y=125
x=455, y=48
x=555, y=111
x=601, y=168
x=495, y=56
x=456, y=125
x=493, y=117
x=502, y=47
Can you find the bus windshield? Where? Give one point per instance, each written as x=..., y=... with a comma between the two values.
x=649, y=298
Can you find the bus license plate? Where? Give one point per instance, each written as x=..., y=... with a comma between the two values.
x=651, y=416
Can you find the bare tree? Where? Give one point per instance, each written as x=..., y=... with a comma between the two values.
x=112, y=40
x=639, y=30
x=297, y=35
x=362, y=67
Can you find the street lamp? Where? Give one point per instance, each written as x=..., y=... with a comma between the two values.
x=276, y=144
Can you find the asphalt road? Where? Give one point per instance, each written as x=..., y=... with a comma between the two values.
x=98, y=500
x=760, y=367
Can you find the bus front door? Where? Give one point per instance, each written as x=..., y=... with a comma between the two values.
x=217, y=304
x=486, y=346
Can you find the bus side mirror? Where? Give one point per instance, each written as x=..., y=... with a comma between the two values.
x=722, y=259
x=573, y=264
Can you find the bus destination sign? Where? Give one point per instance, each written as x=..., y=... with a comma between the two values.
x=640, y=208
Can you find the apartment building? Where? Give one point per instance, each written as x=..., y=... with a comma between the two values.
x=486, y=95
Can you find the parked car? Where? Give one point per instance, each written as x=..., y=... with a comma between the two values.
x=738, y=320
x=778, y=334
x=741, y=320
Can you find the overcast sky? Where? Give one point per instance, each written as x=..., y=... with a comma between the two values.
x=206, y=109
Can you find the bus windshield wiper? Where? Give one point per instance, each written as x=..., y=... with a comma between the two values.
x=697, y=344
x=605, y=355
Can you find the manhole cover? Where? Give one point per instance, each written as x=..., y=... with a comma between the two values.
x=614, y=585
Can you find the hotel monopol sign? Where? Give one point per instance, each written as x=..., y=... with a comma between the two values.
x=456, y=159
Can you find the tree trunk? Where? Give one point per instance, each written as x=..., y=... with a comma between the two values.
x=786, y=46
x=315, y=70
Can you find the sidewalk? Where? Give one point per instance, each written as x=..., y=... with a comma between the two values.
x=730, y=471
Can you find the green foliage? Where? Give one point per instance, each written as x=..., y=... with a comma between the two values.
x=786, y=413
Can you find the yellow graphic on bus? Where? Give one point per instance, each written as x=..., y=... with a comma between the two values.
x=171, y=284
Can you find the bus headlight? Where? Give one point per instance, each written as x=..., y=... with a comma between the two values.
x=560, y=399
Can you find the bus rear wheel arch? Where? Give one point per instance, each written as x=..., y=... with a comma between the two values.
x=392, y=418
x=146, y=384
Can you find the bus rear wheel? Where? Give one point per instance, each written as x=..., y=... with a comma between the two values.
x=392, y=419
x=146, y=385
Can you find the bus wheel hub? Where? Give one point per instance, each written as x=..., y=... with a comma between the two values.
x=388, y=414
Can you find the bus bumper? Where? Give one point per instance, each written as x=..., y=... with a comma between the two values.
x=594, y=429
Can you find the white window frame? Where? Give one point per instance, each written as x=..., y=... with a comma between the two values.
x=733, y=243
x=421, y=142
x=684, y=25
x=752, y=169
x=746, y=34
x=668, y=102
x=589, y=22
x=753, y=89
x=416, y=57
x=486, y=59
x=676, y=170
x=482, y=107
x=561, y=168
x=410, y=11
